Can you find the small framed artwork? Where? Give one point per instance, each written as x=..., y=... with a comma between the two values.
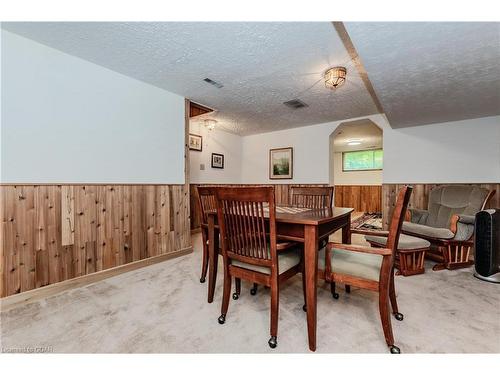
x=217, y=161
x=281, y=163
x=195, y=142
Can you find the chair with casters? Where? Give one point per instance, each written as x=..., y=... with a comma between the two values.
x=250, y=249
x=371, y=268
x=206, y=204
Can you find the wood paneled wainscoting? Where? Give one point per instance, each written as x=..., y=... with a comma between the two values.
x=52, y=233
x=363, y=198
x=420, y=197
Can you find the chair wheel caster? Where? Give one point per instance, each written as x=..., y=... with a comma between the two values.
x=202, y=280
x=399, y=316
x=236, y=296
x=273, y=342
x=222, y=319
x=304, y=307
x=394, y=349
x=335, y=295
x=253, y=291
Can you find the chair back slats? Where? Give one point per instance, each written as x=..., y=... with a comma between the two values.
x=312, y=197
x=398, y=216
x=206, y=202
x=241, y=215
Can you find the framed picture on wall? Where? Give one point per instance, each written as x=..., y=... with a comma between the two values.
x=281, y=163
x=217, y=161
x=195, y=142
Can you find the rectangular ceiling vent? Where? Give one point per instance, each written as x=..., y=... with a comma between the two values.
x=213, y=83
x=295, y=104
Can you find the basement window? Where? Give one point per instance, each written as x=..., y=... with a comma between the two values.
x=368, y=160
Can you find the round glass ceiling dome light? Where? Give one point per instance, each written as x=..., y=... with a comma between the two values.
x=210, y=124
x=335, y=77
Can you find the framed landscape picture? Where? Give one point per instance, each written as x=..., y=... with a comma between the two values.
x=195, y=142
x=218, y=161
x=281, y=163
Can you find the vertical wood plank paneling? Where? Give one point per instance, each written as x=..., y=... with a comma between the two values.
x=363, y=198
x=11, y=255
x=68, y=215
x=101, y=244
x=41, y=246
x=26, y=237
x=127, y=223
x=51, y=233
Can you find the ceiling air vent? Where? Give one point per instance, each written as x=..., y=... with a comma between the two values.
x=295, y=104
x=213, y=83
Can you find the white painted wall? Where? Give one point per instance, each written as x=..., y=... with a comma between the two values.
x=220, y=142
x=462, y=151
x=311, y=152
x=353, y=177
x=66, y=120
x=459, y=151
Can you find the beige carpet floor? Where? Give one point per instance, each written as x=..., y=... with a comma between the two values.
x=163, y=309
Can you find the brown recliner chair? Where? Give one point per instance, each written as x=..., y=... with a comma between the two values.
x=448, y=223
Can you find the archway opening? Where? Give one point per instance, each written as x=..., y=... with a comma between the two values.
x=356, y=165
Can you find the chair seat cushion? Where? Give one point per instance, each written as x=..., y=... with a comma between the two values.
x=286, y=259
x=405, y=242
x=424, y=230
x=353, y=263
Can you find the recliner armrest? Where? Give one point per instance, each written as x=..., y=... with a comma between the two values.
x=462, y=226
x=467, y=219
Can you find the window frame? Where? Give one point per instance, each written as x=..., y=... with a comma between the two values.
x=362, y=170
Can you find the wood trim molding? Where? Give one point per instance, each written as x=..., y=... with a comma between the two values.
x=16, y=300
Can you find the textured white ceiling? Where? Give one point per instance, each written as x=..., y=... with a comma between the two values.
x=431, y=72
x=366, y=131
x=261, y=65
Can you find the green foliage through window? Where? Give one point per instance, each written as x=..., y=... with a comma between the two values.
x=362, y=160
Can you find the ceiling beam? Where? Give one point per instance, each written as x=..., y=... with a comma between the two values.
x=349, y=46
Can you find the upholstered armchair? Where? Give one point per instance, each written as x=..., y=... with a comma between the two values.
x=448, y=223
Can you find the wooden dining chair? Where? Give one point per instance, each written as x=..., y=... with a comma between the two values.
x=312, y=197
x=250, y=249
x=206, y=203
x=315, y=198
x=371, y=268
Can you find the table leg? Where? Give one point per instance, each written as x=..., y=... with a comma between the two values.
x=311, y=270
x=213, y=257
x=346, y=231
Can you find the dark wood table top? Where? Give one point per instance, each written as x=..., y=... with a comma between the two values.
x=306, y=216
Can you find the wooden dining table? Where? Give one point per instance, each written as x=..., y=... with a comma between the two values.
x=304, y=225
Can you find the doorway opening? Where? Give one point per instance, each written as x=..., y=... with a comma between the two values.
x=356, y=165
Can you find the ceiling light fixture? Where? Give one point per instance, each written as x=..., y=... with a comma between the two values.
x=353, y=142
x=335, y=77
x=210, y=124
